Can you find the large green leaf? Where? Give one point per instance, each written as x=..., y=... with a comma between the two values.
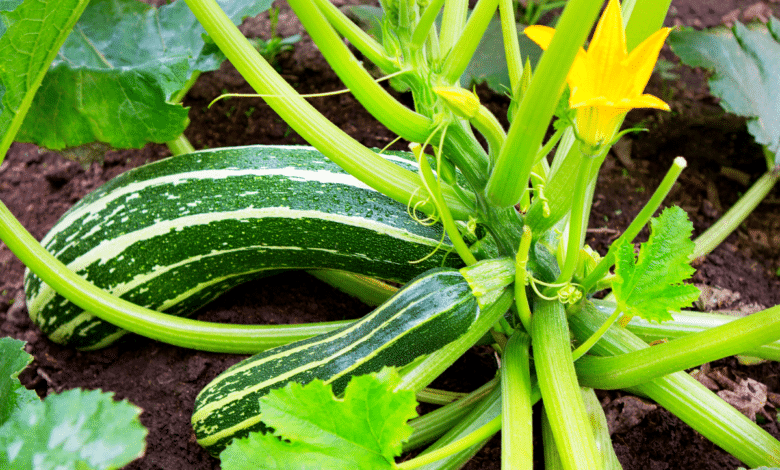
x=73, y=430
x=362, y=431
x=32, y=32
x=12, y=394
x=651, y=285
x=746, y=63
x=117, y=73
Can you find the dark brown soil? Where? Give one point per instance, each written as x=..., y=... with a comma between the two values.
x=163, y=380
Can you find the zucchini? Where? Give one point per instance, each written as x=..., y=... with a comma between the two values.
x=175, y=234
x=428, y=313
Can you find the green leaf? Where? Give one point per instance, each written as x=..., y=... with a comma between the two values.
x=73, y=430
x=32, y=32
x=117, y=76
x=747, y=73
x=12, y=394
x=650, y=286
x=364, y=430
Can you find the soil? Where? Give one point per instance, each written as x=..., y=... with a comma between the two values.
x=39, y=186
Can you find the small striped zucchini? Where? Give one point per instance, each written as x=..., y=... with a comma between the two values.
x=425, y=315
x=174, y=234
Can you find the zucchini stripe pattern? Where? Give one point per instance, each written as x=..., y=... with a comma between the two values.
x=428, y=313
x=175, y=234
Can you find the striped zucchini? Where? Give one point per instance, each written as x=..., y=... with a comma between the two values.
x=428, y=313
x=174, y=234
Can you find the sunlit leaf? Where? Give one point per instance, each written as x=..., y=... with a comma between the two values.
x=117, y=73
x=364, y=430
x=746, y=63
x=73, y=430
x=12, y=394
x=651, y=285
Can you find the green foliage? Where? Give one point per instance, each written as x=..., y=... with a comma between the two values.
x=12, y=394
x=73, y=430
x=32, y=31
x=650, y=286
x=363, y=430
x=117, y=76
x=747, y=73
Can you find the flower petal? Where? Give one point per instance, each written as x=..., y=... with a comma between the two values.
x=541, y=35
x=642, y=59
x=607, y=50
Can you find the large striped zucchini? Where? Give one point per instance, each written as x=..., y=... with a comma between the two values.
x=428, y=313
x=174, y=234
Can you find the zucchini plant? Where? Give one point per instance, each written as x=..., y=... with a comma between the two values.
x=487, y=241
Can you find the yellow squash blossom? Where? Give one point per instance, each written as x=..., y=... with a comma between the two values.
x=606, y=81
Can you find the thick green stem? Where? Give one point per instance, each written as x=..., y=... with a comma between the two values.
x=513, y=168
x=180, y=145
x=204, y=336
x=453, y=21
x=600, y=426
x=637, y=224
x=683, y=353
x=423, y=28
x=385, y=177
x=686, y=398
x=642, y=18
x=461, y=54
x=377, y=101
x=368, y=290
x=362, y=41
x=713, y=236
x=514, y=60
x=521, y=261
x=559, y=387
x=578, y=219
x=686, y=323
x=487, y=411
x=434, y=424
x=517, y=428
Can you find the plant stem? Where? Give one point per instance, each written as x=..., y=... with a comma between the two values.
x=180, y=145
x=487, y=411
x=442, y=211
x=521, y=298
x=593, y=339
x=683, y=353
x=642, y=18
x=441, y=420
x=204, y=336
x=637, y=224
x=463, y=50
x=365, y=165
x=559, y=387
x=598, y=421
x=517, y=434
x=578, y=219
x=424, y=25
x=513, y=168
x=368, y=290
x=453, y=20
x=377, y=101
x=686, y=398
x=713, y=236
x=362, y=41
x=514, y=60
x=686, y=323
